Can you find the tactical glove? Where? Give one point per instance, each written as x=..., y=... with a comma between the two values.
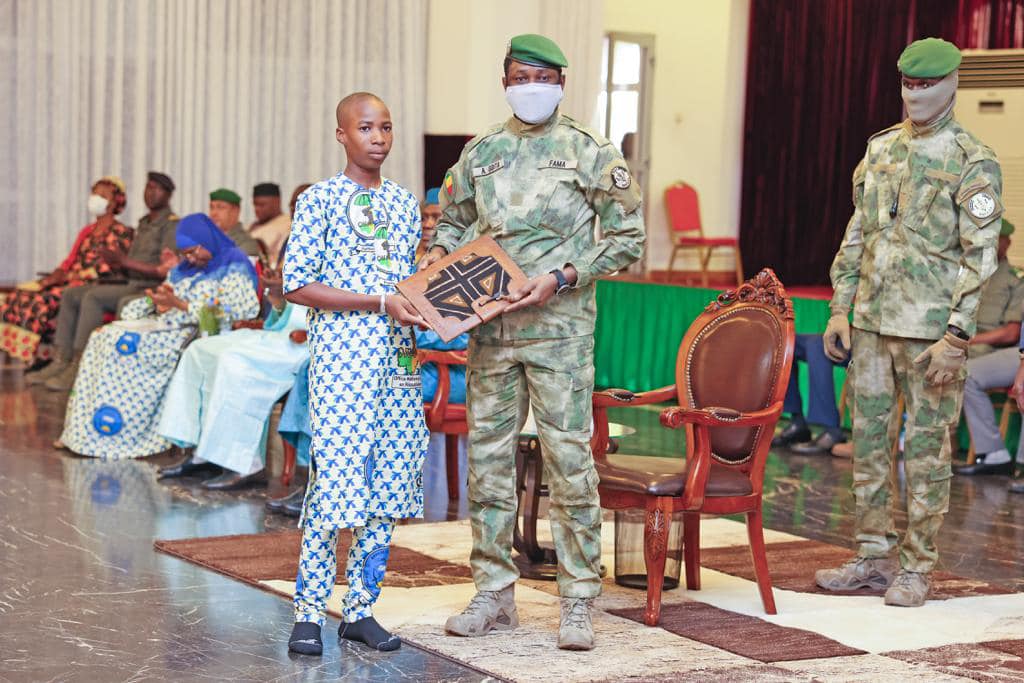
x=945, y=359
x=837, y=332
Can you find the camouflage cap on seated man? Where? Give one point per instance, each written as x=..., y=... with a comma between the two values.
x=929, y=58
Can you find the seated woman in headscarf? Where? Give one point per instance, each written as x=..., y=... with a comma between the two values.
x=116, y=400
x=28, y=317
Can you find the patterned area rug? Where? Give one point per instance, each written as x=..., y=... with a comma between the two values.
x=720, y=633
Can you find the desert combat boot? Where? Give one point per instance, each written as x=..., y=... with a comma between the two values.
x=487, y=611
x=860, y=572
x=908, y=589
x=576, y=631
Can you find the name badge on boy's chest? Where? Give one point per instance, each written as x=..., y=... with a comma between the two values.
x=407, y=373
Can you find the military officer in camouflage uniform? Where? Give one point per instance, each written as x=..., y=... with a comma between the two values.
x=537, y=183
x=915, y=257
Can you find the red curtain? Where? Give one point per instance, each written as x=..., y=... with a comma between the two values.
x=821, y=78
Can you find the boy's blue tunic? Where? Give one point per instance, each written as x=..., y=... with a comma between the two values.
x=366, y=403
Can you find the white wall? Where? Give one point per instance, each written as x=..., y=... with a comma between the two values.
x=467, y=46
x=699, y=85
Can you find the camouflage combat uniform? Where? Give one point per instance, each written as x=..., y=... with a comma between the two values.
x=916, y=254
x=537, y=190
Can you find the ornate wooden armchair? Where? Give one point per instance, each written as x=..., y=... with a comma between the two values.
x=731, y=375
x=444, y=417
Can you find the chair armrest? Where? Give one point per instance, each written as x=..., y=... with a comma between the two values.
x=298, y=336
x=713, y=416
x=617, y=398
x=441, y=357
x=253, y=324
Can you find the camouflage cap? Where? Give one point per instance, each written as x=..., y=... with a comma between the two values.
x=929, y=58
x=1007, y=229
x=223, y=194
x=536, y=50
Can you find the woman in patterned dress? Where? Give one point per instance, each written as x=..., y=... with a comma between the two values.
x=115, y=405
x=29, y=315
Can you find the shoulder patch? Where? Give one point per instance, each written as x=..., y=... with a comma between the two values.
x=586, y=130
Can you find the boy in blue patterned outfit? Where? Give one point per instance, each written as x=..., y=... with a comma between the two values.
x=353, y=237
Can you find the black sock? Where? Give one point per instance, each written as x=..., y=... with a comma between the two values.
x=368, y=631
x=305, y=639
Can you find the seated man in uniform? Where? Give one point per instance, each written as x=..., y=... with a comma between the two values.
x=225, y=207
x=147, y=263
x=993, y=362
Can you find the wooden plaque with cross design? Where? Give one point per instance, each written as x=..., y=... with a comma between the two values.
x=465, y=288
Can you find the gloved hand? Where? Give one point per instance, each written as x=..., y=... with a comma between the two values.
x=945, y=358
x=838, y=330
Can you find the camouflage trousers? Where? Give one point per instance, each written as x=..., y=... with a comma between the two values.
x=556, y=378
x=883, y=369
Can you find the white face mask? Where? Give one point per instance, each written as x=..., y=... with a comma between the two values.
x=533, y=102
x=97, y=205
x=927, y=105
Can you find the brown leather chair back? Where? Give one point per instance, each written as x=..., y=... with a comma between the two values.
x=735, y=359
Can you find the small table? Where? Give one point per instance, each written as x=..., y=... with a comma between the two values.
x=536, y=560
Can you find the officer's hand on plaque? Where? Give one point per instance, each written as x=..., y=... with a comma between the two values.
x=944, y=360
x=403, y=312
x=535, y=292
x=837, y=332
x=432, y=257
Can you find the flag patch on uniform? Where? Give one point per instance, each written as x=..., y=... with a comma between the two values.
x=449, y=183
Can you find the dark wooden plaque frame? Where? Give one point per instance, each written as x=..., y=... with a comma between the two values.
x=462, y=290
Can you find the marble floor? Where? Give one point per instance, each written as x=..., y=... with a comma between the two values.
x=83, y=596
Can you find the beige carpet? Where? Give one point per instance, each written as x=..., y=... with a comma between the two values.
x=815, y=637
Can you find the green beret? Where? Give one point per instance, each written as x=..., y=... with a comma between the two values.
x=225, y=195
x=929, y=58
x=1007, y=229
x=536, y=50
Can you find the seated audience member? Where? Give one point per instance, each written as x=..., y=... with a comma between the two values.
x=147, y=263
x=271, y=226
x=28, y=316
x=993, y=361
x=113, y=409
x=821, y=402
x=430, y=214
x=221, y=396
x=225, y=208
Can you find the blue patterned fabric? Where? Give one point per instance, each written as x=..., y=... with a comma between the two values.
x=198, y=229
x=369, y=436
x=115, y=403
x=364, y=571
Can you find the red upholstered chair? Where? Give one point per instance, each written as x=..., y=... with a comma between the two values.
x=686, y=231
x=444, y=417
x=731, y=375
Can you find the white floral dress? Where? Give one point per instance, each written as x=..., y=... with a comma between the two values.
x=114, y=406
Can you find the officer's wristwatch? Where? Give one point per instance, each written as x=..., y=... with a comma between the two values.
x=957, y=332
x=563, y=284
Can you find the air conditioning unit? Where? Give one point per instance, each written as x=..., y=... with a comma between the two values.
x=990, y=104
